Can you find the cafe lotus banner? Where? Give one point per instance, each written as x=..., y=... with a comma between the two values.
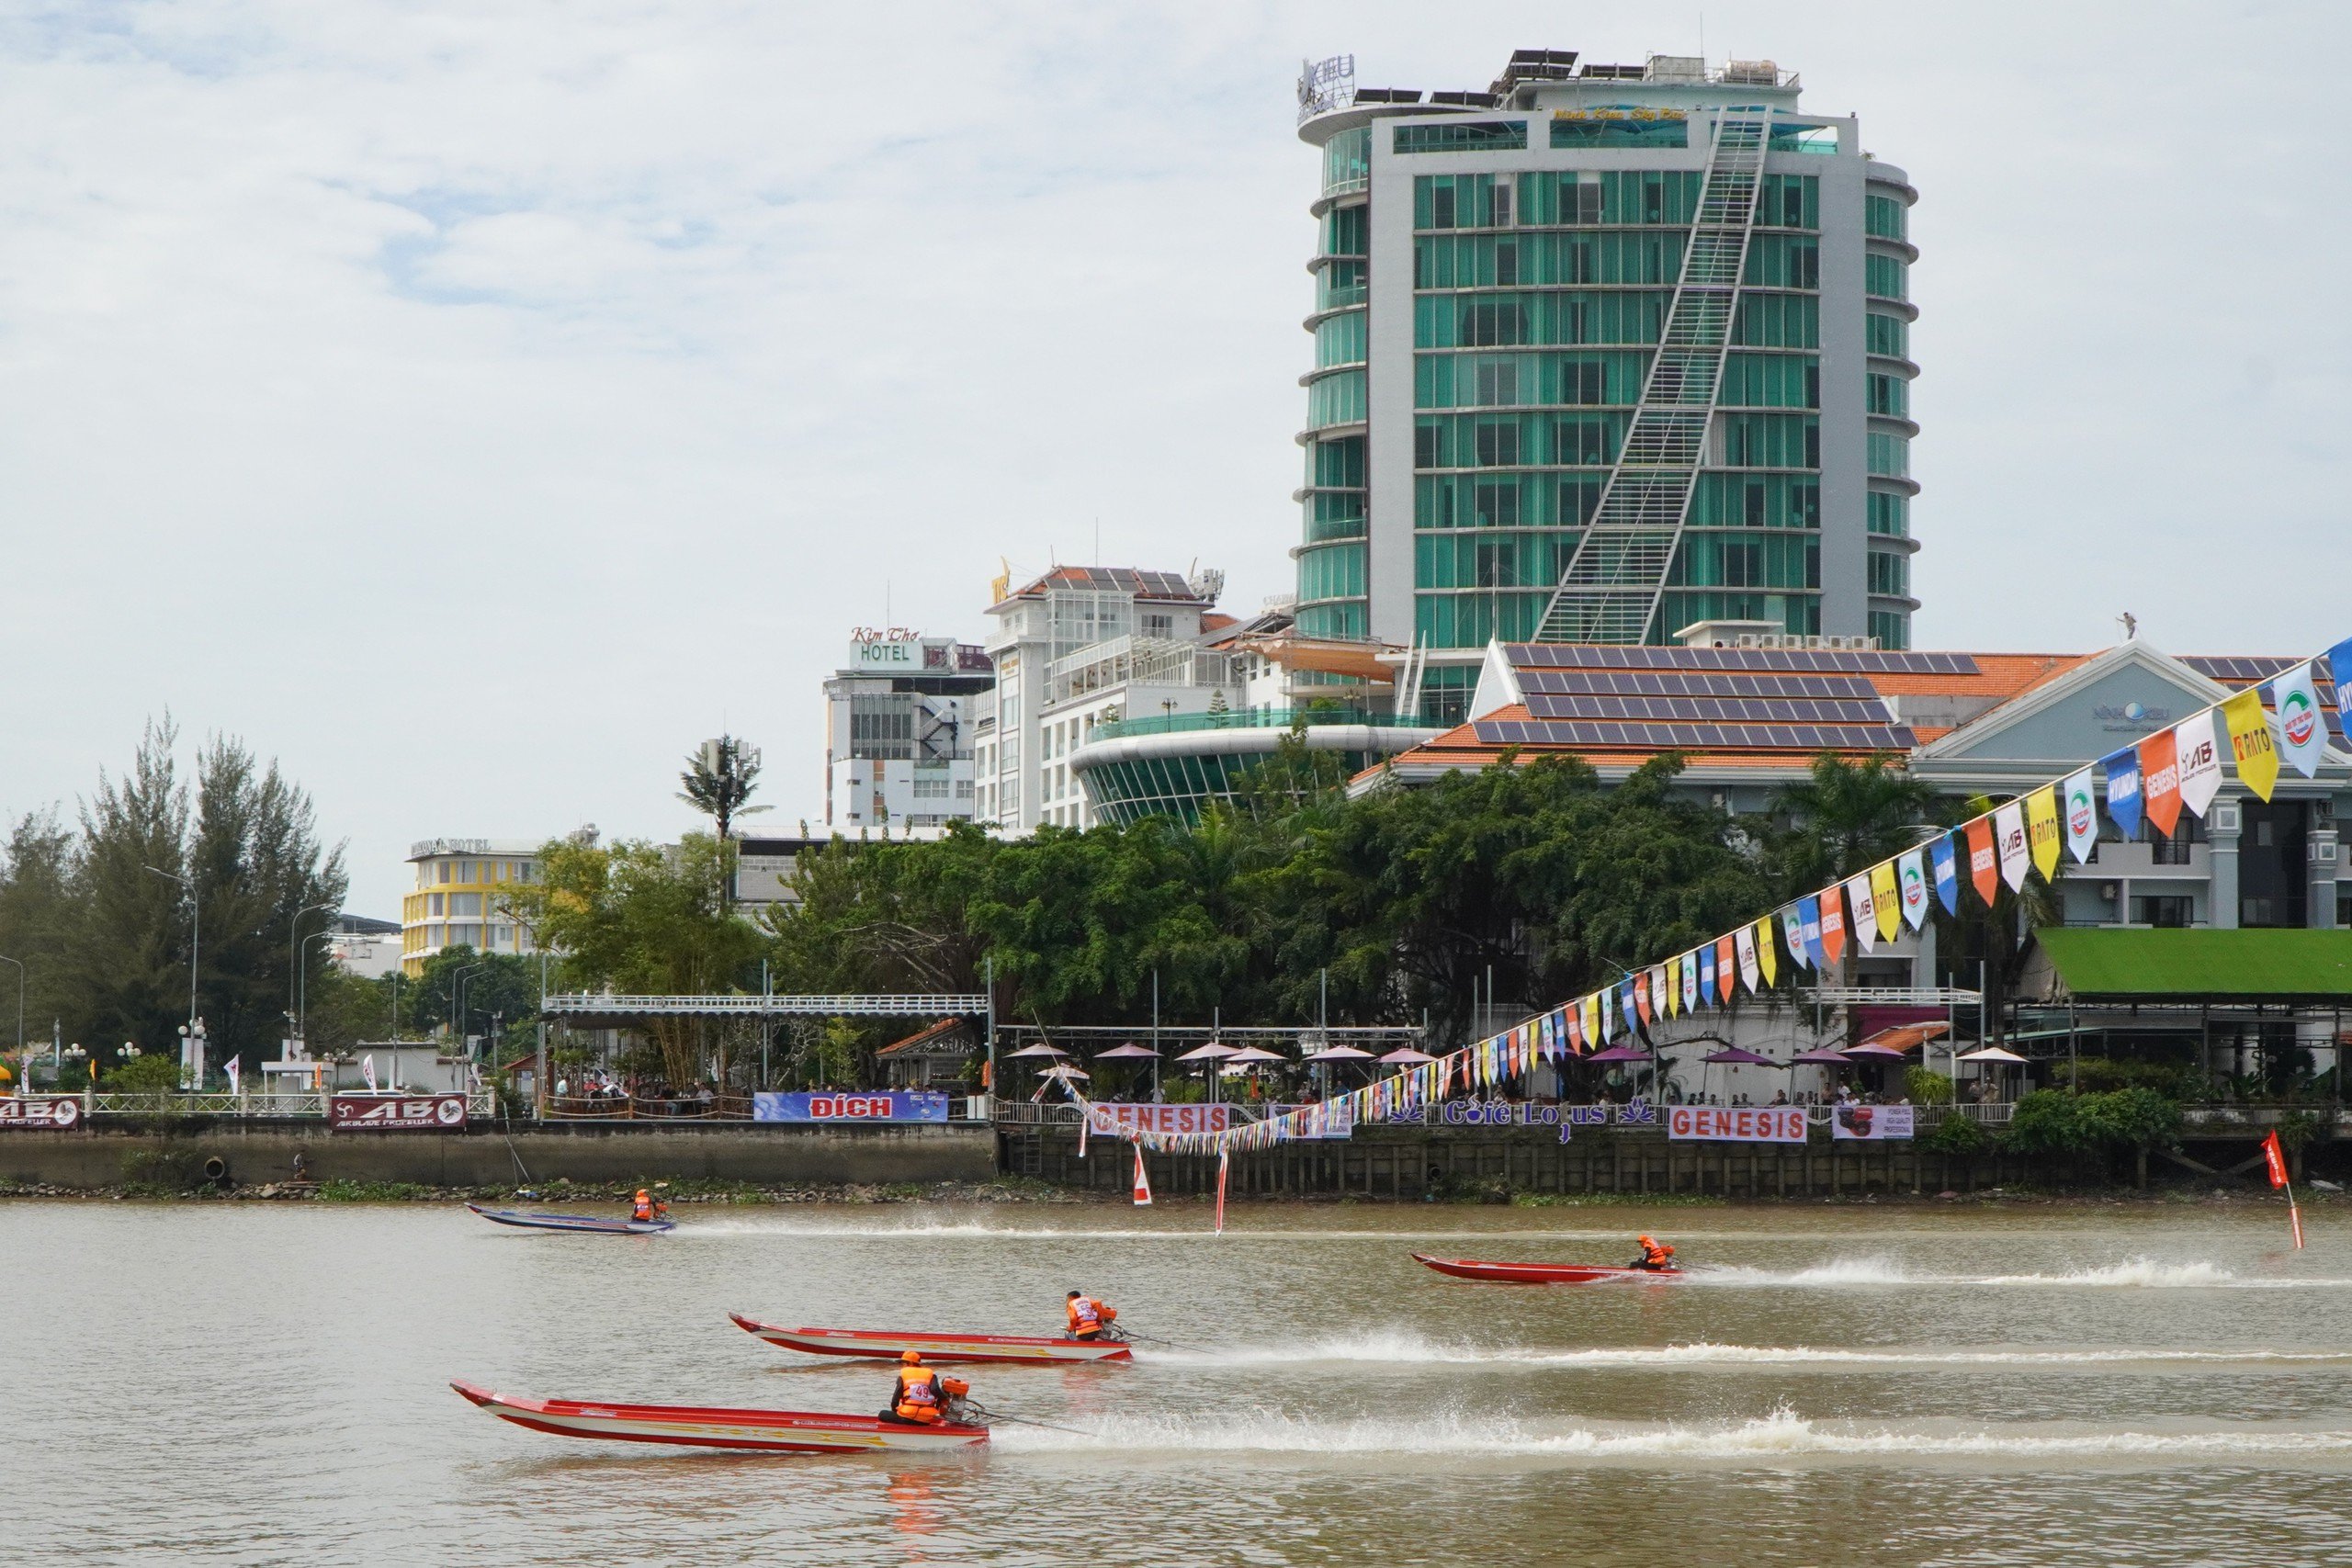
x=1737, y=1124
x=2151, y=781
x=1871, y=1122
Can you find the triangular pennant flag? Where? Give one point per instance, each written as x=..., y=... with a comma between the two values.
x=1809, y=925
x=1143, y=1181
x=1833, y=923
x=1793, y=933
x=1642, y=996
x=1725, y=980
x=1944, y=855
x=1911, y=875
x=2041, y=829
x=1767, y=951
x=1706, y=976
x=2159, y=779
x=1744, y=943
x=1858, y=899
x=2250, y=746
x=1885, y=901
x=1983, y=864
x=2123, y=790
x=2009, y=832
x=2199, y=757
x=1690, y=982
x=2081, y=817
x=2303, y=733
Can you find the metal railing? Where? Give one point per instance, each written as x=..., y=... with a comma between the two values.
x=719, y=1107
x=745, y=1005
x=307, y=1104
x=1253, y=718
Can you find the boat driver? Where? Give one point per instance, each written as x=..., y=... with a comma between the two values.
x=924, y=1398
x=1656, y=1257
x=1090, y=1319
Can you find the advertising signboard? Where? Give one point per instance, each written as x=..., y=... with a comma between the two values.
x=396, y=1112
x=40, y=1112
x=852, y=1105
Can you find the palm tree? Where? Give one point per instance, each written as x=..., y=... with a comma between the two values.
x=1846, y=817
x=719, y=779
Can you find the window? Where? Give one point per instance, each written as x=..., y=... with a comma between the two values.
x=1890, y=395
x=466, y=903
x=1890, y=336
x=1497, y=382
x=468, y=870
x=1346, y=231
x=1890, y=573
x=929, y=788
x=1884, y=218
x=2170, y=909
x=1498, y=444
x=444, y=873
x=1461, y=136
x=434, y=905
x=1622, y=132
x=1886, y=276
x=1893, y=629
x=1890, y=455
x=1890, y=515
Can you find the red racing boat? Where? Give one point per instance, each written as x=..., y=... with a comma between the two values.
x=888, y=1346
x=689, y=1426
x=1541, y=1273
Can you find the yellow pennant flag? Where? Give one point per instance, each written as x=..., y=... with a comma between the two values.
x=1673, y=986
x=1886, y=903
x=2041, y=826
x=2258, y=754
x=1767, y=951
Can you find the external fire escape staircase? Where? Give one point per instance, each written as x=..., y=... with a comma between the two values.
x=1614, y=583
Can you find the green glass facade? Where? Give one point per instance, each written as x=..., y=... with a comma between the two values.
x=1537, y=298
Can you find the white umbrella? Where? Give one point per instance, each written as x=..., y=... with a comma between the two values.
x=1994, y=1053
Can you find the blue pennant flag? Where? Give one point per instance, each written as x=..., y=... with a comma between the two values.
x=2123, y=789
x=2340, y=669
x=1947, y=861
x=1707, y=976
x=1809, y=914
x=1625, y=1000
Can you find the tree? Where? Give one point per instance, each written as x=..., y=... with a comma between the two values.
x=641, y=918
x=40, y=871
x=503, y=985
x=719, y=779
x=128, y=944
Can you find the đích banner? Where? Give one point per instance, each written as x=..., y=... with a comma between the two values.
x=43, y=1113
x=1737, y=1124
x=1115, y=1117
x=1872, y=1122
x=870, y=1105
x=396, y=1112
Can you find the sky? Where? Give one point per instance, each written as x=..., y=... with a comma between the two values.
x=473, y=406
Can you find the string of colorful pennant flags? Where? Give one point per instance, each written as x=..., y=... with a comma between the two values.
x=2154, y=780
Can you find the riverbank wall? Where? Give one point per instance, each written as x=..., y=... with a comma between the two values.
x=252, y=1152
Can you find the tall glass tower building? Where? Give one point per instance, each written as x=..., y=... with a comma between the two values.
x=1602, y=351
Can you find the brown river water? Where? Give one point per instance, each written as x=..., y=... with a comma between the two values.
x=268, y=1384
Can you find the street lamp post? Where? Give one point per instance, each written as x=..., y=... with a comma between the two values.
x=195, y=945
x=457, y=1000
x=293, y=981
x=302, y=996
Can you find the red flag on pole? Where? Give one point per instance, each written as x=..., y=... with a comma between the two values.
x=1143, y=1181
x=2274, y=1161
x=1224, y=1159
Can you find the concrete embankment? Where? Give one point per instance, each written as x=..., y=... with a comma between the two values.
x=265, y=1151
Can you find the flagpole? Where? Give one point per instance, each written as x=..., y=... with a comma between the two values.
x=2294, y=1217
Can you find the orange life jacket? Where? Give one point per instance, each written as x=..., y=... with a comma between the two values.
x=1655, y=1255
x=1088, y=1318
x=920, y=1395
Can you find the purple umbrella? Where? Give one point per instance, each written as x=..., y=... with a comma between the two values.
x=1824, y=1058
x=1038, y=1050
x=1406, y=1056
x=1732, y=1055
x=1208, y=1053
x=1619, y=1053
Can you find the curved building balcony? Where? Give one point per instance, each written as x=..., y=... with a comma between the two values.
x=1177, y=764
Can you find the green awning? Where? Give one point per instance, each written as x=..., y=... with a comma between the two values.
x=2186, y=965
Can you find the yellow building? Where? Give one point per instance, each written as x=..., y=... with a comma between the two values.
x=456, y=899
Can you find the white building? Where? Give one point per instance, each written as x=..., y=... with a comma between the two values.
x=362, y=945
x=899, y=729
x=456, y=900
x=1078, y=647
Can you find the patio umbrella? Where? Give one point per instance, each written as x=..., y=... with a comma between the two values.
x=1125, y=1052
x=1406, y=1056
x=1208, y=1053
x=1995, y=1054
x=1730, y=1055
x=1343, y=1054
x=1883, y=1052
x=1248, y=1054
x=1040, y=1049
x=1062, y=1070
x=1825, y=1058
x=1619, y=1053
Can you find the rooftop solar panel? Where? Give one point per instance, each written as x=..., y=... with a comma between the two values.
x=1590, y=656
x=1738, y=710
x=2236, y=669
x=1697, y=684
x=1802, y=738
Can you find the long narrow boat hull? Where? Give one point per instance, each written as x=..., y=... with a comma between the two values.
x=886, y=1345
x=695, y=1427
x=585, y=1225
x=1542, y=1273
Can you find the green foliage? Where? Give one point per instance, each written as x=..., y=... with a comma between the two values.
x=2047, y=1121
x=1957, y=1135
x=505, y=985
x=645, y=920
x=105, y=940
x=1925, y=1086
x=2297, y=1129
x=1844, y=818
x=2175, y=1080
x=346, y=1191
x=155, y=1072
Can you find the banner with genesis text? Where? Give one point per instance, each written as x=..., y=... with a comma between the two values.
x=1737, y=1124
x=1114, y=1119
